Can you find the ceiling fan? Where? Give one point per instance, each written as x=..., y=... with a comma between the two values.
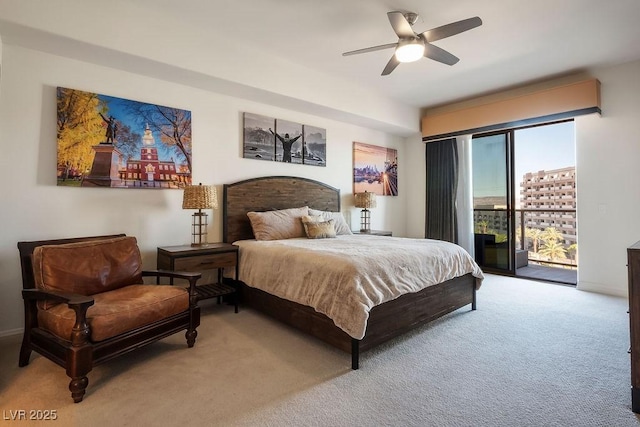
x=411, y=46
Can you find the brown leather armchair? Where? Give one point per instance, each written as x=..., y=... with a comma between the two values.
x=85, y=303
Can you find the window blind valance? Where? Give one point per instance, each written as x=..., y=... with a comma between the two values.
x=556, y=103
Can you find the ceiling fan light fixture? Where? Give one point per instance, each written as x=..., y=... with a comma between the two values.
x=412, y=46
x=410, y=51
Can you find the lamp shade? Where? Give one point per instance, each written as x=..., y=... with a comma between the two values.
x=200, y=197
x=365, y=200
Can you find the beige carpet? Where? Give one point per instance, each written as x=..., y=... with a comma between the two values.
x=532, y=354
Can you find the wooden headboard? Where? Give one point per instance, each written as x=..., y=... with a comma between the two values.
x=271, y=193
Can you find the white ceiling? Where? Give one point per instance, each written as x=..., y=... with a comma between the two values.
x=520, y=41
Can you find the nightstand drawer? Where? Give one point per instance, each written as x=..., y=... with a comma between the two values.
x=205, y=262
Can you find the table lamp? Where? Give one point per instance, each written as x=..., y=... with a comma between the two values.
x=199, y=197
x=365, y=201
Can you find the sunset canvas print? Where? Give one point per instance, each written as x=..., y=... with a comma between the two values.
x=375, y=169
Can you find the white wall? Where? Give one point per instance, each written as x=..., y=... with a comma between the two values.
x=33, y=207
x=608, y=178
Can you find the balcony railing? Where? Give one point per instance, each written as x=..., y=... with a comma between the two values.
x=494, y=220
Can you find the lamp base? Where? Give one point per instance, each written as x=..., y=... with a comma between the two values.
x=199, y=229
x=365, y=221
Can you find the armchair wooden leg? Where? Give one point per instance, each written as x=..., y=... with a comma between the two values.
x=25, y=352
x=78, y=386
x=194, y=322
x=30, y=321
x=191, y=337
x=79, y=364
x=79, y=360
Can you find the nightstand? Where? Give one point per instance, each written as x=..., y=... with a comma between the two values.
x=206, y=257
x=374, y=232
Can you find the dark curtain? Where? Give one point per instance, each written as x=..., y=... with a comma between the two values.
x=442, y=185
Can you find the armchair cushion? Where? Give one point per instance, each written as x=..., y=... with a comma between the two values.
x=118, y=311
x=87, y=268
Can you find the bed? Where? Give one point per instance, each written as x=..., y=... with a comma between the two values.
x=400, y=312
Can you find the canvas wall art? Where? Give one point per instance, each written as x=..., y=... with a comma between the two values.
x=104, y=141
x=288, y=141
x=259, y=142
x=267, y=138
x=315, y=146
x=375, y=169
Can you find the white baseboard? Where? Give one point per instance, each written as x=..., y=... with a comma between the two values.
x=601, y=288
x=11, y=332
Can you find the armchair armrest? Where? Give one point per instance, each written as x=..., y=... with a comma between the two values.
x=63, y=297
x=187, y=275
x=191, y=276
x=78, y=303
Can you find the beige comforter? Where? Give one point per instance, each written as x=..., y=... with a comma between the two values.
x=345, y=277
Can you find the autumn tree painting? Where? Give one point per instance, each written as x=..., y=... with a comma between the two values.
x=146, y=145
x=79, y=128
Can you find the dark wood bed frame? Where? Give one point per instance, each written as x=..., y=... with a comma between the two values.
x=386, y=321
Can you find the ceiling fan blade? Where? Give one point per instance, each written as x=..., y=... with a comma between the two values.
x=451, y=29
x=400, y=25
x=391, y=65
x=439, y=54
x=370, y=49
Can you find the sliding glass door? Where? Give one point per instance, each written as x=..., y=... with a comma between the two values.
x=493, y=201
x=524, y=200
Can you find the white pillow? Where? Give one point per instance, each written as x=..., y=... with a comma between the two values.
x=280, y=224
x=339, y=222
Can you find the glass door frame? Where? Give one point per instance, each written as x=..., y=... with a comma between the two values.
x=509, y=162
x=512, y=193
